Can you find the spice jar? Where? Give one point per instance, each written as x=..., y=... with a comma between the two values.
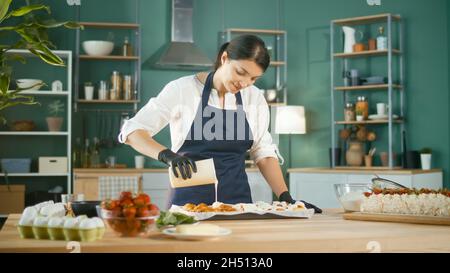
x=127, y=87
x=116, y=86
x=349, y=112
x=362, y=106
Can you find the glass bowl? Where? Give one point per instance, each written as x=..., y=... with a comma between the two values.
x=351, y=195
x=129, y=227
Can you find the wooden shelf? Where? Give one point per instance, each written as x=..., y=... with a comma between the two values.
x=109, y=25
x=277, y=63
x=366, y=19
x=367, y=87
x=110, y=57
x=44, y=93
x=108, y=101
x=257, y=31
x=32, y=133
x=365, y=53
x=35, y=174
x=368, y=122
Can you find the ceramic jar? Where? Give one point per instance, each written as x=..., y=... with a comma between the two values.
x=355, y=154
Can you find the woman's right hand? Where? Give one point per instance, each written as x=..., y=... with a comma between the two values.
x=185, y=164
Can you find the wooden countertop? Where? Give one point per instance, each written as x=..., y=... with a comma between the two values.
x=363, y=171
x=322, y=233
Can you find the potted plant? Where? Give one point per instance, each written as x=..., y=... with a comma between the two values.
x=55, y=121
x=31, y=29
x=359, y=115
x=425, y=158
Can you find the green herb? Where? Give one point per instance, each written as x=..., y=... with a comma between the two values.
x=168, y=218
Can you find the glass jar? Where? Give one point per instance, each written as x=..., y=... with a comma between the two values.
x=127, y=87
x=362, y=107
x=349, y=112
x=116, y=86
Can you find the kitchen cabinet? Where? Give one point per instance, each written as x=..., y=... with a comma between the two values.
x=316, y=185
x=391, y=65
x=156, y=183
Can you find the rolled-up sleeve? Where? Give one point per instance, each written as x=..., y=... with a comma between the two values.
x=262, y=145
x=155, y=115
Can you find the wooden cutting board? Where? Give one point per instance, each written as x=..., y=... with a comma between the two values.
x=398, y=218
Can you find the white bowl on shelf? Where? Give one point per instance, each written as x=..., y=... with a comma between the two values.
x=98, y=48
x=29, y=84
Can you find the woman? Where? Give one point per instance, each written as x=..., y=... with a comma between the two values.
x=218, y=115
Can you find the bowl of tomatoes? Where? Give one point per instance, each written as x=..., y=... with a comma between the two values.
x=131, y=215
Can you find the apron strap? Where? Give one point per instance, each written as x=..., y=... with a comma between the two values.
x=207, y=92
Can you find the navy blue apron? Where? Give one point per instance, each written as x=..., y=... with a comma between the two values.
x=227, y=146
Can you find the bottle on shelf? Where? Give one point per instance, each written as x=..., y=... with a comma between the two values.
x=116, y=86
x=76, y=154
x=95, y=154
x=381, y=39
x=126, y=50
x=362, y=106
x=86, y=158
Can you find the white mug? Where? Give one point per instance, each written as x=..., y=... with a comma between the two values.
x=139, y=161
x=381, y=109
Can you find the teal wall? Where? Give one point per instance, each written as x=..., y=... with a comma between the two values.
x=307, y=24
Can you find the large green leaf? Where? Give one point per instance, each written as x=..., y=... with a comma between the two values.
x=4, y=7
x=25, y=10
x=4, y=83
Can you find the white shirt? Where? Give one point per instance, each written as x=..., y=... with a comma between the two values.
x=178, y=102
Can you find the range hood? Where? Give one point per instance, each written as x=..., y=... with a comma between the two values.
x=181, y=52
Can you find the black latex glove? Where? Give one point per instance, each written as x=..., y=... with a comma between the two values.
x=185, y=164
x=286, y=197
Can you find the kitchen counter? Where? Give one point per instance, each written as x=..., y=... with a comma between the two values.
x=362, y=170
x=322, y=233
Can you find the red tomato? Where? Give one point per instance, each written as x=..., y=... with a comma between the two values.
x=143, y=212
x=139, y=202
x=154, y=210
x=145, y=197
x=129, y=212
x=126, y=195
x=126, y=203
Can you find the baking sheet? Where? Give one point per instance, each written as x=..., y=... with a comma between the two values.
x=237, y=215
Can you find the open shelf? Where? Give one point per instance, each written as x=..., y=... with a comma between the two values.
x=108, y=101
x=368, y=122
x=276, y=63
x=366, y=53
x=110, y=57
x=366, y=19
x=35, y=174
x=367, y=87
x=43, y=93
x=276, y=104
x=32, y=133
x=109, y=25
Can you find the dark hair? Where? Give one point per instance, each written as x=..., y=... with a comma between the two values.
x=245, y=47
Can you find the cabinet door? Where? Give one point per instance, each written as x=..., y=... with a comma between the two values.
x=157, y=186
x=317, y=189
x=87, y=186
x=429, y=180
x=260, y=190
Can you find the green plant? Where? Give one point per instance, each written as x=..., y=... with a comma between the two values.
x=88, y=84
x=426, y=150
x=359, y=112
x=55, y=108
x=32, y=31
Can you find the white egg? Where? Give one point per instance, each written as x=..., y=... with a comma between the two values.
x=40, y=221
x=88, y=224
x=99, y=222
x=56, y=222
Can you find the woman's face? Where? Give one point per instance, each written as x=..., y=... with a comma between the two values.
x=238, y=74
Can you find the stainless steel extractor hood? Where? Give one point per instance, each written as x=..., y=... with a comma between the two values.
x=181, y=52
